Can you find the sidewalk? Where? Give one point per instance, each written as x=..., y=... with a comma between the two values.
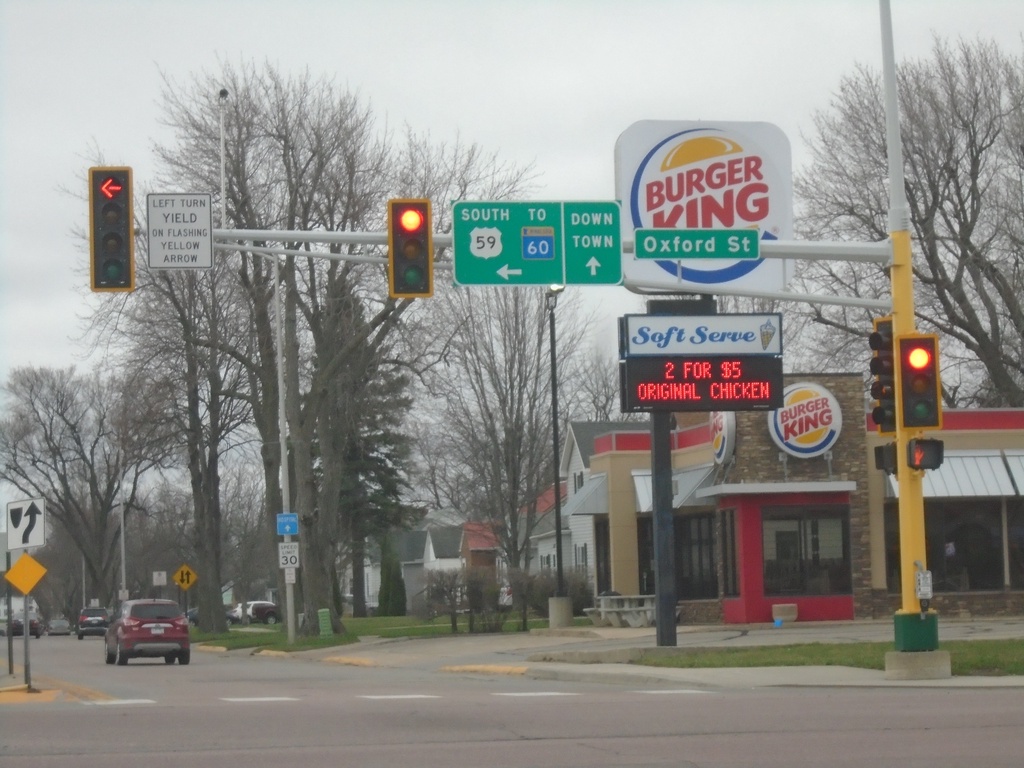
x=600, y=654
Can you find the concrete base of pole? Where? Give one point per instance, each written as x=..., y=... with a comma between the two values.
x=559, y=612
x=917, y=665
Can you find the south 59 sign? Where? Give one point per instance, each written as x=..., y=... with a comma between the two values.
x=701, y=384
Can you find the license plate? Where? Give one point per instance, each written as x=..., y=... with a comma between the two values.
x=157, y=630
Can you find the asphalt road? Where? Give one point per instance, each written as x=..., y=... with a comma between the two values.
x=479, y=701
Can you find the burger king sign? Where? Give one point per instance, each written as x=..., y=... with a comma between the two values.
x=685, y=175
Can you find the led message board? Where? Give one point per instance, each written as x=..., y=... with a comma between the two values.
x=706, y=383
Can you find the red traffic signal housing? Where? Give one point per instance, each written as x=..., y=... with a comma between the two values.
x=919, y=384
x=111, y=230
x=410, y=249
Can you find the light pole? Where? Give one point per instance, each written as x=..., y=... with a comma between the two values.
x=123, y=594
x=551, y=300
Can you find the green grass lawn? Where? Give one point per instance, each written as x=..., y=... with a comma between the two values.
x=967, y=657
x=275, y=638
x=974, y=657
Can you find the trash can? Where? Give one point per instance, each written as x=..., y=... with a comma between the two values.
x=323, y=615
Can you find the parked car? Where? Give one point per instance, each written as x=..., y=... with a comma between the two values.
x=257, y=610
x=93, y=621
x=265, y=611
x=35, y=629
x=58, y=627
x=148, y=628
x=193, y=617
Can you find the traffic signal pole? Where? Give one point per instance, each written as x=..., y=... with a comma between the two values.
x=915, y=629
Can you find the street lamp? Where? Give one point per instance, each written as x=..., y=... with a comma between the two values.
x=282, y=421
x=551, y=300
x=122, y=594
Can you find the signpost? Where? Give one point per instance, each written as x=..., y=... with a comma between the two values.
x=180, y=230
x=546, y=243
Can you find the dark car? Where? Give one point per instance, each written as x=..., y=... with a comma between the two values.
x=150, y=629
x=193, y=617
x=265, y=611
x=35, y=628
x=93, y=621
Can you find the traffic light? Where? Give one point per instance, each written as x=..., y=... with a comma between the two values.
x=410, y=249
x=920, y=390
x=883, y=369
x=111, y=240
x=924, y=454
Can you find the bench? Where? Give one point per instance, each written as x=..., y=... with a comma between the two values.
x=623, y=611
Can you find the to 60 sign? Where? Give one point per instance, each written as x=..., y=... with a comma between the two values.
x=288, y=554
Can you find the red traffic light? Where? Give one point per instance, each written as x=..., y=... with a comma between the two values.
x=111, y=235
x=920, y=389
x=919, y=358
x=111, y=187
x=410, y=219
x=410, y=257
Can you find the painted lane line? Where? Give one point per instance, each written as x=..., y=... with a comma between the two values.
x=118, y=702
x=258, y=699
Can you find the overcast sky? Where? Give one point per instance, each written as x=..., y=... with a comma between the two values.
x=548, y=82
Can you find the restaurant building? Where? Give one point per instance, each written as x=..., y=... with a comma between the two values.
x=788, y=507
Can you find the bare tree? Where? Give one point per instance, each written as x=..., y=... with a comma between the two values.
x=962, y=125
x=301, y=155
x=492, y=431
x=83, y=443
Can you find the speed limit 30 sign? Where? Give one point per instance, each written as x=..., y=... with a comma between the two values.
x=288, y=554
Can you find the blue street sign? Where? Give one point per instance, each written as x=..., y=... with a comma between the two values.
x=287, y=524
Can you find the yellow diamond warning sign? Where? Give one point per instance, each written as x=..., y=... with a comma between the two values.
x=25, y=573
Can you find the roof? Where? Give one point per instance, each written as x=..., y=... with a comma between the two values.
x=685, y=483
x=447, y=541
x=546, y=500
x=591, y=499
x=479, y=536
x=583, y=433
x=410, y=546
x=971, y=474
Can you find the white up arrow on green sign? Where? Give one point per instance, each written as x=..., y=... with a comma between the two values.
x=515, y=243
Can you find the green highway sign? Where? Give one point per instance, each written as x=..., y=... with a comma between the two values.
x=550, y=243
x=696, y=244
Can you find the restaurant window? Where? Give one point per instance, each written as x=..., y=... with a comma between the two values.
x=806, y=551
x=695, y=557
x=963, y=545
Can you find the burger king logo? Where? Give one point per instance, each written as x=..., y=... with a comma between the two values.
x=809, y=422
x=723, y=435
x=714, y=176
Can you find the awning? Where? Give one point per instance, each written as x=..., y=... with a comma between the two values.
x=684, y=483
x=591, y=499
x=969, y=474
x=1015, y=463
